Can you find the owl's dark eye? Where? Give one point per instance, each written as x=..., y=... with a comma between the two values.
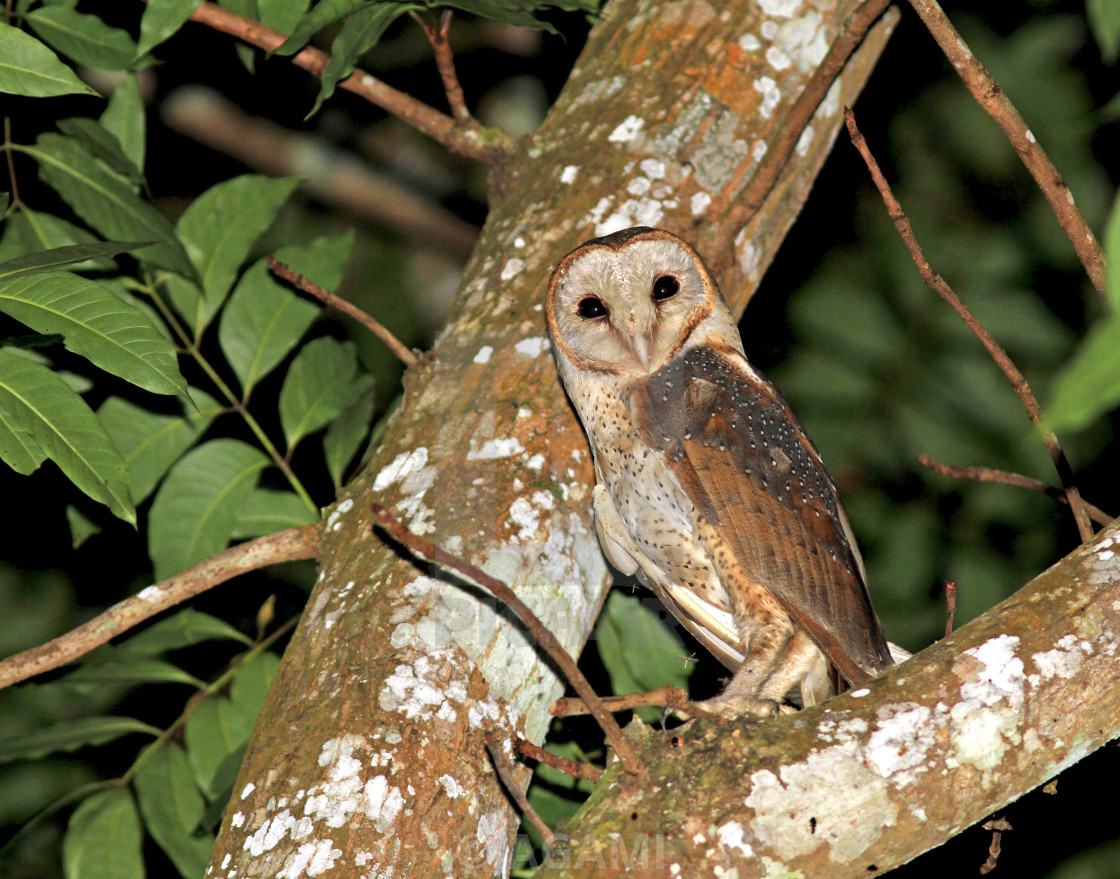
x=665, y=287
x=590, y=307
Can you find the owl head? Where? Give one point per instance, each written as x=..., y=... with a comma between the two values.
x=626, y=303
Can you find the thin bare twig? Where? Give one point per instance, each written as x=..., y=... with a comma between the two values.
x=284, y=546
x=988, y=474
x=505, y=774
x=934, y=280
x=851, y=35
x=997, y=826
x=308, y=286
x=466, y=138
x=543, y=636
x=950, y=606
x=663, y=697
x=569, y=767
x=996, y=104
x=445, y=62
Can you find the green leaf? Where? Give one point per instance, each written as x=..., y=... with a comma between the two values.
x=344, y=436
x=105, y=202
x=63, y=425
x=185, y=628
x=124, y=119
x=49, y=260
x=322, y=261
x=321, y=14
x=195, y=510
x=173, y=808
x=265, y=512
x=71, y=736
x=84, y=38
x=102, y=145
x=81, y=528
x=150, y=443
x=187, y=299
x=103, y=839
x=31, y=231
x=1112, y=257
x=215, y=730
x=1104, y=21
x=4, y=199
x=221, y=226
x=123, y=668
x=261, y=323
x=502, y=10
x=27, y=67
x=638, y=648
x=282, y=15
x=251, y=682
x=162, y=18
x=96, y=324
x=18, y=448
x=361, y=31
x=1089, y=385
x=321, y=382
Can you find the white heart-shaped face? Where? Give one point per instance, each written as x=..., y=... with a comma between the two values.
x=624, y=304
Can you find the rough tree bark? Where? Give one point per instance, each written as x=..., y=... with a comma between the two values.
x=369, y=757
x=869, y=780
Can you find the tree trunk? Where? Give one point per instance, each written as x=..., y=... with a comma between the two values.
x=369, y=757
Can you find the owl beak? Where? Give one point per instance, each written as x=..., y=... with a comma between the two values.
x=642, y=346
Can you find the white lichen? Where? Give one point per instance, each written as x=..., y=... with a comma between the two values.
x=627, y=130
x=400, y=467
x=496, y=448
x=532, y=347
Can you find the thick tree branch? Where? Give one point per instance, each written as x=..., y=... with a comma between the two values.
x=284, y=546
x=472, y=140
x=996, y=104
x=869, y=780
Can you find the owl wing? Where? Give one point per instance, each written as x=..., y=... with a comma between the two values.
x=765, y=509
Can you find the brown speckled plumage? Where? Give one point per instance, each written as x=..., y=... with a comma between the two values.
x=707, y=487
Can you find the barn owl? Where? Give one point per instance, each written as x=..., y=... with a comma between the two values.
x=707, y=487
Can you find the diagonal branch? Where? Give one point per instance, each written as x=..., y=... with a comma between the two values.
x=996, y=104
x=469, y=139
x=430, y=552
x=327, y=298
x=934, y=280
x=284, y=546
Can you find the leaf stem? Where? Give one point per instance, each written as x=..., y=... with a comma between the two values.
x=8, y=147
x=191, y=347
